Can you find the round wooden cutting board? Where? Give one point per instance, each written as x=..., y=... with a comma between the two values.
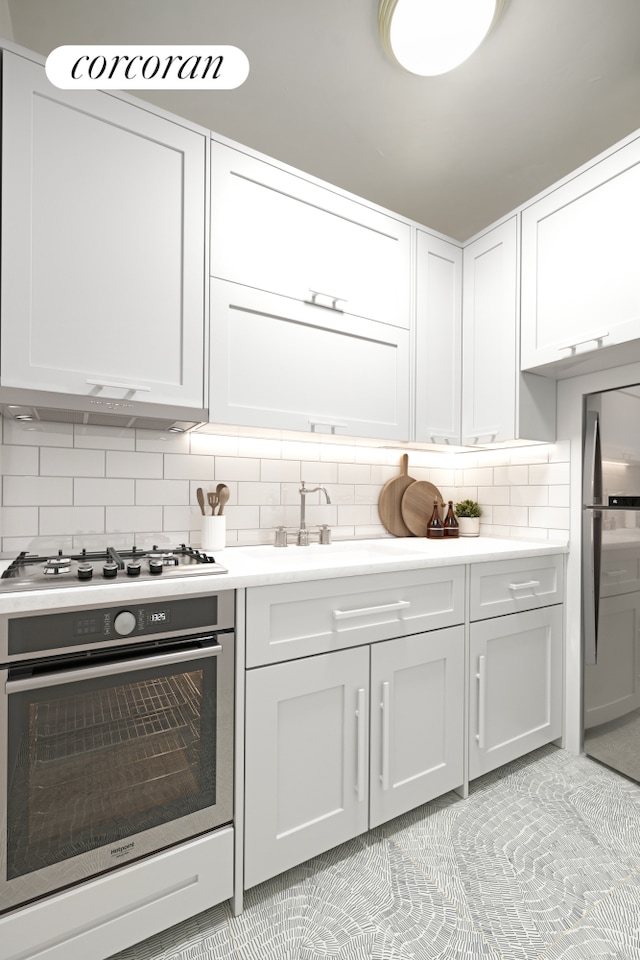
x=389, y=504
x=417, y=506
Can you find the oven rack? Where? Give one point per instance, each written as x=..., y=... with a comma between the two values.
x=75, y=725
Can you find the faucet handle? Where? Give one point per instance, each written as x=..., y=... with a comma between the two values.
x=325, y=533
x=281, y=537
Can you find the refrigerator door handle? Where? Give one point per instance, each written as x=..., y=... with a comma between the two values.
x=591, y=535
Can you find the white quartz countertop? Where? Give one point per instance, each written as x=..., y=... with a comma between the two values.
x=262, y=565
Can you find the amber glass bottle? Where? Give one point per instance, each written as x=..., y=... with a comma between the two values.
x=450, y=523
x=435, y=527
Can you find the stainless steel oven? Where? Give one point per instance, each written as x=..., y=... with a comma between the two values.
x=117, y=736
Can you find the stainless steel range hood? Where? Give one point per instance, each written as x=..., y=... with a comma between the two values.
x=38, y=405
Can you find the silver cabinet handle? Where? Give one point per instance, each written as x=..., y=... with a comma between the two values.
x=595, y=337
x=383, y=608
x=118, y=386
x=527, y=585
x=481, y=676
x=332, y=424
x=110, y=669
x=477, y=438
x=386, y=731
x=361, y=718
x=613, y=573
x=330, y=296
x=436, y=439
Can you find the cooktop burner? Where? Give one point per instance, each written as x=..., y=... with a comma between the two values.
x=30, y=571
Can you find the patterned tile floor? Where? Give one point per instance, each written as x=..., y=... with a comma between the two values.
x=541, y=862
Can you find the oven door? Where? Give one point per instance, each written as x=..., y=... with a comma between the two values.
x=112, y=761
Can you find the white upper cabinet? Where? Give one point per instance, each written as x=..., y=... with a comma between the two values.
x=438, y=339
x=274, y=230
x=580, y=280
x=498, y=402
x=281, y=363
x=103, y=244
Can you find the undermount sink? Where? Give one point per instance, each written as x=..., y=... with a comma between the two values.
x=350, y=551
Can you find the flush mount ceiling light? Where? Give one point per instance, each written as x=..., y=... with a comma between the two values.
x=430, y=37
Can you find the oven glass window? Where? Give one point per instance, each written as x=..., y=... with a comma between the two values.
x=97, y=761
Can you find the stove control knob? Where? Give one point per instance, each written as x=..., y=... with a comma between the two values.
x=85, y=571
x=124, y=623
x=110, y=569
x=133, y=569
x=155, y=567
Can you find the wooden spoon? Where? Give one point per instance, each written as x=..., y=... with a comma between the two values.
x=223, y=496
x=200, y=496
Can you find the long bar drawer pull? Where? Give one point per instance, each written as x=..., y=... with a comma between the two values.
x=386, y=723
x=481, y=676
x=594, y=338
x=361, y=718
x=613, y=573
x=527, y=585
x=333, y=425
x=364, y=611
x=118, y=386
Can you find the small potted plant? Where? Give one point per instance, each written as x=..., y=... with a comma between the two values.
x=468, y=513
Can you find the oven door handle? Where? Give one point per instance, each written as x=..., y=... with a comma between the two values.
x=111, y=669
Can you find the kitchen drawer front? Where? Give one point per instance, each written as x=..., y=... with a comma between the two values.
x=287, y=621
x=620, y=572
x=508, y=586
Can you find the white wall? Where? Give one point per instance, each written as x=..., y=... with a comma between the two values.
x=78, y=486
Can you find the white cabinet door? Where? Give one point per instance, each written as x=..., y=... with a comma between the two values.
x=278, y=362
x=498, y=403
x=306, y=759
x=273, y=229
x=417, y=721
x=612, y=686
x=515, y=696
x=103, y=220
x=438, y=339
x=580, y=253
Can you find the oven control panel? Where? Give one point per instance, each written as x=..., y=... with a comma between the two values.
x=72, y=629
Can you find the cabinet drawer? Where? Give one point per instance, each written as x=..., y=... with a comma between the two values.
x=508, y=586
x=286, y=621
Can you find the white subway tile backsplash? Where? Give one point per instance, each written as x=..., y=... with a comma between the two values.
x=19, y=461
x=280, y=471
x=62, y=462
x=97, y=485
x=103, y=438
x=135, y=465
x=103, y=492
x=31, y=433
x=161, y=492
x=41, y=491
x=133, y=519
x=71, y=521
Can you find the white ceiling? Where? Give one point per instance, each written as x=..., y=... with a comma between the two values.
x=555, y=83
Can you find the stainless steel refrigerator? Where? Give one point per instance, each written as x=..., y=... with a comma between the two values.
x=611, y=579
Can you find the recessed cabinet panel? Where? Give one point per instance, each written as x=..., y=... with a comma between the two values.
x=300, y=619
x=438, y=339
x=580, y=286
x=104, y=238
x=515, y=696
x=417, y=720
x=276, y=362
x=306, y=756
x=277, y=231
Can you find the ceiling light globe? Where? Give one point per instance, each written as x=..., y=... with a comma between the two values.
x=431, y=37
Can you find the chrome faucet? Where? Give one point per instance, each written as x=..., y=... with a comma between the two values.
x=303, y=533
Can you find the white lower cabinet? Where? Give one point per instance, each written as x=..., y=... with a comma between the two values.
x=417, y=721
x=515, y=695
x=312, y=780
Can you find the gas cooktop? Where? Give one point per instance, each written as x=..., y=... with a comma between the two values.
x=29, y=571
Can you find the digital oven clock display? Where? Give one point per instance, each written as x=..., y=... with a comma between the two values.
x=157, y=617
